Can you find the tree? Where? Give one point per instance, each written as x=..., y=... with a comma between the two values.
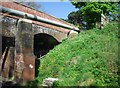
x=91, y=11
x=75, y=18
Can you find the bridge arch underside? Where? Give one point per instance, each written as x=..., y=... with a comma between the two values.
x=45, y=39
x=43, y=43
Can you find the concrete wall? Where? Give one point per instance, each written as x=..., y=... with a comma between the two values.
x=24, y=60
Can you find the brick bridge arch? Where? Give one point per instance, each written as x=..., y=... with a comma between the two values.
x=28, y=25
x=44, y=42
x=58, y=35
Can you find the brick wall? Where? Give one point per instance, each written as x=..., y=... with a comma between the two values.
x=26, y=9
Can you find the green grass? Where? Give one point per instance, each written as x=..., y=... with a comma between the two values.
x=89, y=59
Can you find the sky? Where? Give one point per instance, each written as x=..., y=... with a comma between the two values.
x=58, y=9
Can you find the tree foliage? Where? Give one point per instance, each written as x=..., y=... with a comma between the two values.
x=91, y=11
x=75, y=18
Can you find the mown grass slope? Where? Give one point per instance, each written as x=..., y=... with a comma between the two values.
x=89, y=59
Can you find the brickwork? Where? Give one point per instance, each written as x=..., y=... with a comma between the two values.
x=25, y=9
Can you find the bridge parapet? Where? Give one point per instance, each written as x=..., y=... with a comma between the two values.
x=58, y=35
x=26, y=9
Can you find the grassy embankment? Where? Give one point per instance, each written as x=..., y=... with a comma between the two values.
x=90, y=59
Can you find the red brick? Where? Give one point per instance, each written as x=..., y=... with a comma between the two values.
x=24, y=8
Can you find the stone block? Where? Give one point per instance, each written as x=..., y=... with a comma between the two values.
x=49, y=81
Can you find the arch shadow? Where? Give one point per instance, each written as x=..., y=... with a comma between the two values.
x=43, y=43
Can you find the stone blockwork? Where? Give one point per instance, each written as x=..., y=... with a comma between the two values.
x=58, y=35
x=8, y=26
x=103, y=22
x=48, y=82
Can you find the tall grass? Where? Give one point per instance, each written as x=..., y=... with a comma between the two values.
x=89, y=59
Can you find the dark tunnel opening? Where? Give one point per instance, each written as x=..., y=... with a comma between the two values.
x=42, y=44
x=7, y=42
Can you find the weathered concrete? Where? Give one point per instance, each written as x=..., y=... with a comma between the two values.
x=59, y=36
x=8, y=26
x=8, y=64
x=24, y=47
x=72, y=34
x=10, y=29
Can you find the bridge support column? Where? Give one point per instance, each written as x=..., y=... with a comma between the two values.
x=24, y=57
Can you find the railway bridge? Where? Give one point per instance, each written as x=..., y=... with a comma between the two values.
x=26, y=35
